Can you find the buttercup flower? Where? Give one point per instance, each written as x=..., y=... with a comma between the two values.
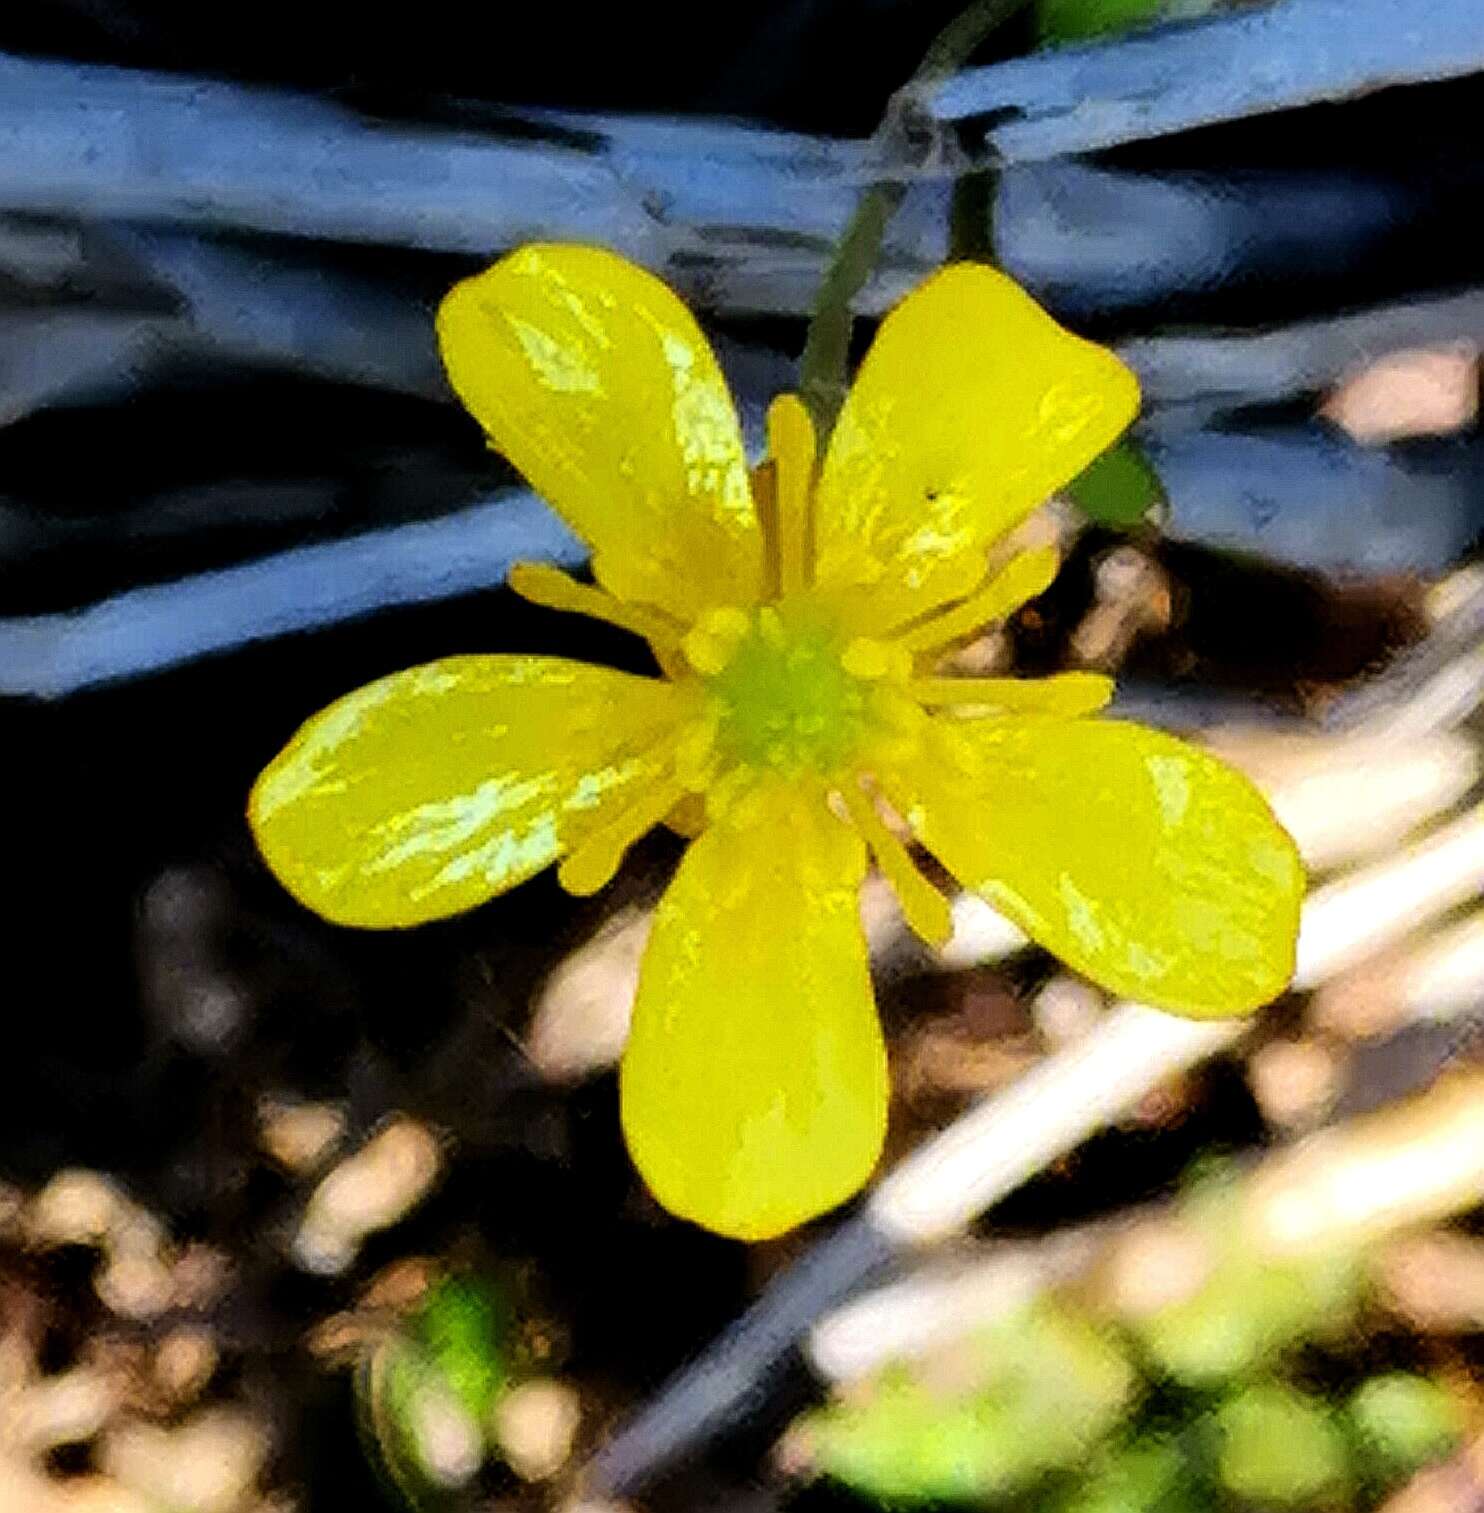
x=795, y=616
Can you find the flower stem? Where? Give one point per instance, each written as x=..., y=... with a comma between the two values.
x=823, y=366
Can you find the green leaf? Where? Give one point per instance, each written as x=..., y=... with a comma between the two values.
x=1403, y=1421
x=1137, y=1478
x=416, y=1434
x=463, y=1327
x=1038, y=1392
x=1060, y=21
x=424, y=1394
x=1248, y=1313
x=1120, y=488
x=1280, y=1446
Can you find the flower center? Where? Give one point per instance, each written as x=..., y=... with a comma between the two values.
x=779, y=690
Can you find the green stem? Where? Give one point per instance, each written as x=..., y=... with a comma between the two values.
x=970, y=218
x=955, y=44
x=823, y=368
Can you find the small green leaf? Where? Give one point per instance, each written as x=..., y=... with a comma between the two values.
x=424, y=1394
x=1060, y=21
x=1280, y=1446
x=463, y=1328
x=1136, y=1478
x=1248, y=1313
x=1040, y=1391
x=1404, y=1421
x=1119, y=489
x=415, y=1432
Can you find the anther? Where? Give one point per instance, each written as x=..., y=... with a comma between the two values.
x=709, y=644
x=770, y=626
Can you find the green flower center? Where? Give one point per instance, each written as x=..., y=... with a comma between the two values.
x=779, y=689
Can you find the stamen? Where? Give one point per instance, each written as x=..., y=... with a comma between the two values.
x=765, y=502
x=926, y=909
x=595, y=859
x=695, y=753
x=709, y=644
x=895, y=711
x=1021, y=579
x=791, y=443
x=727, y=793
x=870, y=659
x=551, y=588
x=1067, y=694
x=899, y=723
x=946, y=743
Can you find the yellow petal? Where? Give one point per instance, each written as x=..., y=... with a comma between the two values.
x=970, y=409
x=1141, y=861
x=429, y=791
x=595, y=381
x=754, y=1084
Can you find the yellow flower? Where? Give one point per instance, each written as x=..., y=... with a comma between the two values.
x=795, y=616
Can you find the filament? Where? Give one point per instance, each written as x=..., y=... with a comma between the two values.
x=765, y=503
x=791, y=443
x=1067, y=694
x=551, y=588
x=1022, y=578
x=926, y=909
x=593, y=861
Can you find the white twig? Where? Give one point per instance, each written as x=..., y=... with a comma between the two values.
x=1358, y=915
x=938, y=1303
x=1262, y=59
x=1009, y=1137
x=162, y=625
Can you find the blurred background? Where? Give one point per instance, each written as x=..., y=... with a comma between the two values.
x=295, y=1218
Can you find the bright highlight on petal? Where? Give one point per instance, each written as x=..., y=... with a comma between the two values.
x=1138, y=859
x=595, y=381
x=971, y=408
x=754, y=1085
x=429, y=791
